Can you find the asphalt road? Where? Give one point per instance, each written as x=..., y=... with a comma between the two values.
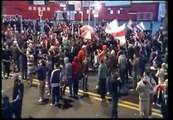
x=85, y=107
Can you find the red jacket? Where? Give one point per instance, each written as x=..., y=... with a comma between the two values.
x=76, y=69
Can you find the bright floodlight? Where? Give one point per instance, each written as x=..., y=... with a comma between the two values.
x=98, y=6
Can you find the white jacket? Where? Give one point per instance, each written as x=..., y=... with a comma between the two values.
x=144, y=90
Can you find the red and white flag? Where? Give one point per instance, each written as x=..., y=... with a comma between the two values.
x=88, y=35
x=119, y=34
x=111, y=26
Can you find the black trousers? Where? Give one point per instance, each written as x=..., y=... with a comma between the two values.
x=6, y=68
x=102, y=88
x=114, y=107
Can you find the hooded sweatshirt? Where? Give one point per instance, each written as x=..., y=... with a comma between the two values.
x=68, y=68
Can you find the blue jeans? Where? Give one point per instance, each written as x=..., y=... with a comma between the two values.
x=23, y=72
x=55, y=94
x=75, y=86
x=70, y=86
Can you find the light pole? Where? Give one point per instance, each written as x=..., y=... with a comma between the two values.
x=96, y=12
x=40, y=14
x=89, y=14
x=81, y=16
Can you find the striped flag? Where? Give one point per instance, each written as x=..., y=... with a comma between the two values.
x=141, y=26
x=129, y=25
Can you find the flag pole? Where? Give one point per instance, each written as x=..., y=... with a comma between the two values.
x=89, y=14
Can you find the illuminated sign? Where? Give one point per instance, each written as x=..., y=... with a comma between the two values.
x=39, y=2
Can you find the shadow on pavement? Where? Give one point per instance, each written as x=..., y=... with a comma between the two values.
x=46, y=101
x=64, y=105
x=86, y=99
x=106, y=108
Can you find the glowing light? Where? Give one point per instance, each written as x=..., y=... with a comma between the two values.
x=98, y=6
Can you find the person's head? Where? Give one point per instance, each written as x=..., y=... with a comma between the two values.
x=56, y=65
x=6, y=47
x=144, y=79
x=116, y=75
x=76, y=59
x=42, y=62
x=164, y=65
x=66, y=60
x=16, y=77
x=5, y=100
x=84, y=47
x=113, y=52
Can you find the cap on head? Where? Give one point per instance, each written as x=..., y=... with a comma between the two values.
x=164, y=65
x=83, y=46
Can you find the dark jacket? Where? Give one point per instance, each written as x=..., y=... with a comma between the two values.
x=76, y=70
x=114, y=87
x=18, y=87
x=55, y=76
x=41, y=72
x=15, y=52
x=6, y=55
x=6, y=107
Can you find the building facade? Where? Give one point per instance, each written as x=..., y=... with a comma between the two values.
x=134, y=11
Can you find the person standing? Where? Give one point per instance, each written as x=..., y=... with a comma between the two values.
x=18, y=90
x=6, y=59
x=144, y=89
x=76, y=73
x=23, y=63
x=82, y=54
x=135, y=64
x=153, y=85
x=30, y=65
x=6, y=107
x=164, y=105
x=68, y=75
x=122, y=63
x=102, y=77
x=49, y=68
x=15, y=57
x=161, y=74
x=85, y=74
x=114, y=86
x=55, y=84
x=41, y=74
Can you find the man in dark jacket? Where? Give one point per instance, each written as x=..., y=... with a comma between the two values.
x=23, y=63
x=114, y=86
x=41, y=75
x=6, y=107
x=18, y=90
x=15, y=56
x=55, y=84
x=6, y=58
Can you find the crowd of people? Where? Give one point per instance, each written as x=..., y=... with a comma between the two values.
x=58, y=54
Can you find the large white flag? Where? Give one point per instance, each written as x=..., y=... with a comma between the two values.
x=112, y=26
x=129, y=25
